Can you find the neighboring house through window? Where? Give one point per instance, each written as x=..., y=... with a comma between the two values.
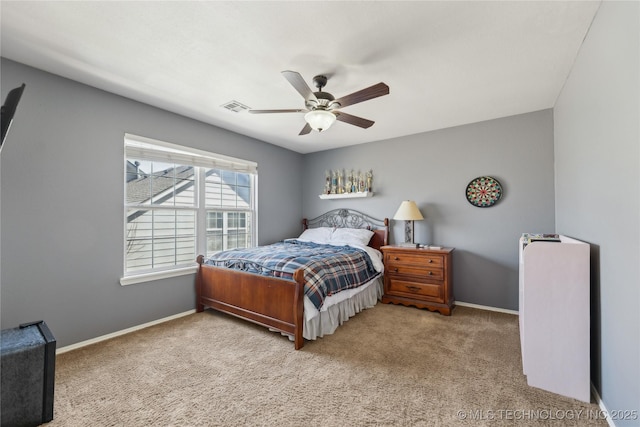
x=180, y=202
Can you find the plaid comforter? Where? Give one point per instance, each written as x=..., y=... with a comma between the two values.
x=328, y=269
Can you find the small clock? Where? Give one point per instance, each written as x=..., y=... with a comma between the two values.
x=484, y=192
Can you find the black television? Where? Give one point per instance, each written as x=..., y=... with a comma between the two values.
x=9, y=109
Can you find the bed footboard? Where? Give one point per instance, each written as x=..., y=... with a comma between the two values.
x=271, y=302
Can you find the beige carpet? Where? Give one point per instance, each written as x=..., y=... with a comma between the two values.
x=389, y=365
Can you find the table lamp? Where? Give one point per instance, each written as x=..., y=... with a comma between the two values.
x=408, y=212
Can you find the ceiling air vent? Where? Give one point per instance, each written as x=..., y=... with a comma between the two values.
x=235, y=106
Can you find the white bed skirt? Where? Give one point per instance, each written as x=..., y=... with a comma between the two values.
x=338, y=308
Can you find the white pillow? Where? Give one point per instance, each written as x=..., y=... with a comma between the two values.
x=317, y=235
x=351, y=236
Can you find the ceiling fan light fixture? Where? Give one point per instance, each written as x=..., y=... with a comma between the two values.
x=320, y=120
x=322, y=109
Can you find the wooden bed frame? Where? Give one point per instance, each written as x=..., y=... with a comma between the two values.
x=272, y=302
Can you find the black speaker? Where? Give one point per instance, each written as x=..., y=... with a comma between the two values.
x=28, y=374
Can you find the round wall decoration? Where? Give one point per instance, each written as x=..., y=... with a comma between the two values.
x=484, y=192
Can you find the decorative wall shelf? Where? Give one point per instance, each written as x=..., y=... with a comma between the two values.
x=347, y=195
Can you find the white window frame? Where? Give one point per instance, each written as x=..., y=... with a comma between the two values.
x=151, y=149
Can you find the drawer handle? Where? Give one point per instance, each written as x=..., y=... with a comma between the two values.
x=413, y=288
x=395, y=270
x=430, y=261
x=431, y=273
x=395, y=258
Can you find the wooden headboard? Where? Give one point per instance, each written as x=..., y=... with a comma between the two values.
x=349, y=218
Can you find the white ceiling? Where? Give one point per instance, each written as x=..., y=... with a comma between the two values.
x=447, y=63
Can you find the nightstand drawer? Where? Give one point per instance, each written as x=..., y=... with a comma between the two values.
x=417, y=271
x=427, y=291
x=395, y=258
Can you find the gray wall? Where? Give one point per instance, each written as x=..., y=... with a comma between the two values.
x=597, y=140
x=62, y=212
x=434, y=169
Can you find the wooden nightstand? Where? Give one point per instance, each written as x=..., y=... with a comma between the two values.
x=418, y=277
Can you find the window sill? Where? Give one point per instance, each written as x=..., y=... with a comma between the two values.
x=149, y=277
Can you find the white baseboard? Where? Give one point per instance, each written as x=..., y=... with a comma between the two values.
x=486, y=307
x=122, y=332
x=186, y=313
x=598, y=399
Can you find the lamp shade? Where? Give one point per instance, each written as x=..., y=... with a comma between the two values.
x=408, y=211
x=320, y=120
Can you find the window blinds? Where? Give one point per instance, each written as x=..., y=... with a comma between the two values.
x=151, y=149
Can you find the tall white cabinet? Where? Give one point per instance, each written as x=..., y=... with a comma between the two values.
x=554, y=316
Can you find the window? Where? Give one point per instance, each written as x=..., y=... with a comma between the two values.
x=173, y=192
x=228, y=201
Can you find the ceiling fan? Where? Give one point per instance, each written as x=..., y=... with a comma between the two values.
x=321, y=108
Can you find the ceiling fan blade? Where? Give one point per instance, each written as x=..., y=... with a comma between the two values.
x=353, y=120
x=276, y=111
x=305, y=130
x=363, y=95
x=299, y=84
